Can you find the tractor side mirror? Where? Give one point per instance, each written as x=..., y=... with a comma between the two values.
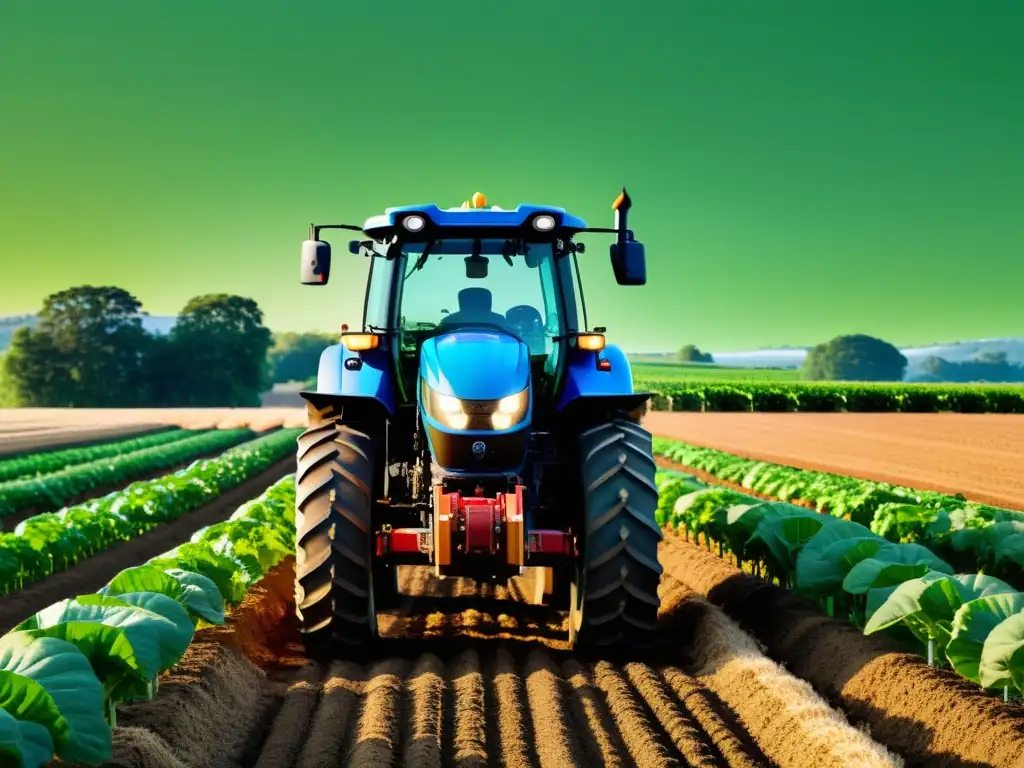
x=629, y=262
x=315, y=268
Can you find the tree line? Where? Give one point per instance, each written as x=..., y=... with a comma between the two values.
x=89, y=349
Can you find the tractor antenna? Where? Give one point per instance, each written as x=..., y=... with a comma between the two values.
x=621, y=207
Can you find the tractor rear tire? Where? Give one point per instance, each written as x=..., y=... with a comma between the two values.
x=333, y=566
x=614, y=597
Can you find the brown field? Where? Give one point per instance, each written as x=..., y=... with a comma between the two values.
x=36, y=429
x=978, y=455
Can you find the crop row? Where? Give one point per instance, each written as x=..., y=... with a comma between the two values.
x=43, y=463
x=64, y=670
x=52, y=491
x=52, y=541
x=674, y=395
x=970, y=535
x=970, y=621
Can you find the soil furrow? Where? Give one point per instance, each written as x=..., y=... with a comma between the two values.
x=424, y=691
x=469, y=745
x=793, y=724
x=675, y=721
x=729, y=740
x=331, y=724
x=377, y=732
x=602, y=743
x=553, y=736
x=288, y=732
x=514, y=727
x=638, y=735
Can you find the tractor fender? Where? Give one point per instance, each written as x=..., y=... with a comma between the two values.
x=596, y=392
x=366, y=384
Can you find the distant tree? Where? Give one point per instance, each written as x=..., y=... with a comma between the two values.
x=691, y=354
x=219, y=348
x=296, y=356
x=854, y=358
x=8, y=395
x=87, y=350
x=986, y=366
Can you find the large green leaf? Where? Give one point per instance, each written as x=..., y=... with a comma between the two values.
x=926, y=605
x=23, y=743
x=828, y=556
x=146, y=578
x=64, y=673
x=1010, y=548
x=785, y=536
x=208, y=587
x=972, y=624
x=892, y=565
x=1002, y=656
x=133, y=638
x=226, y=572
x=172, y=644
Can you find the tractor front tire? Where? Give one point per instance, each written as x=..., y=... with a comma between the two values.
x=614, y=597
x=333, y=564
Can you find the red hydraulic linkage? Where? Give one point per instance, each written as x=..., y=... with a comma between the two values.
x=475, y=525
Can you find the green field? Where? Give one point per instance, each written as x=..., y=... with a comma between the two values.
x=671, y=371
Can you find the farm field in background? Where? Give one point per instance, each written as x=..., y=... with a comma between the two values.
x=978, y=455
x=673, y=371
x=34, y=429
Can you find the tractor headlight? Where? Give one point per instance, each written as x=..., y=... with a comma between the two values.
x=458, y=414
x=414, y=223
x=544, y=223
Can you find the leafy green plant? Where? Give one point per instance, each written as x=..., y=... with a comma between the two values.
x=682, y=395
x=42, y=463
x=44, y=544
x=50, y=491
x=64, y=670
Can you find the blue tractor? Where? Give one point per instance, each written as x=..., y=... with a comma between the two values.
x=475, y=425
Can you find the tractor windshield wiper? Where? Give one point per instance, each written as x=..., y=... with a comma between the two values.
x=421, y=260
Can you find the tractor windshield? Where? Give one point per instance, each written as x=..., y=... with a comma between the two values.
x=519, y=292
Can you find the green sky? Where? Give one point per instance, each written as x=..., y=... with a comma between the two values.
x=798, y=169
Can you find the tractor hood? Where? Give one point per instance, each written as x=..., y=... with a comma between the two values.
x=475, y=364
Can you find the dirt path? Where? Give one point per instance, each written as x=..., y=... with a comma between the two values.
x=978, y=455
x=93, y=573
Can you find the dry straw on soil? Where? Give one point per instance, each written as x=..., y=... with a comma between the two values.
x=929, y=715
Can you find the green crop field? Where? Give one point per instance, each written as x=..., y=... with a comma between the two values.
x=672, y=371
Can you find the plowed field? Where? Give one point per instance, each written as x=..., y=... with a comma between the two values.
x=436, y=694
x=978, y=455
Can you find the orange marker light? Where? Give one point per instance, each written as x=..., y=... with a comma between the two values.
x=360, y=342
x=592, y=342
x=479, y=201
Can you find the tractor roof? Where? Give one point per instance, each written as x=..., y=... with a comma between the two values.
x=473, y=219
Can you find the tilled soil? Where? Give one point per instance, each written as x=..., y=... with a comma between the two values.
x=929, y=715
x=460, y=680
x=978, y=455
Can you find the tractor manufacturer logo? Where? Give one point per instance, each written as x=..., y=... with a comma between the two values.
x=479, y=449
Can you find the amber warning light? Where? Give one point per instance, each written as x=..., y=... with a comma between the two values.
x=360, y=342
